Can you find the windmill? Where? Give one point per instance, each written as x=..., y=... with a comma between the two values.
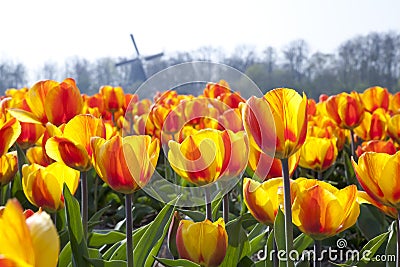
x=137, y=71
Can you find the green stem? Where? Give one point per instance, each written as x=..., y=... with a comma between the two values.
x=1, y=196
x=353, y=149
x=54, y=217
x=84, y=196
x=317, y=253
x=275, y=259
x=96, y=184
x=288, y=210
x=129, y=243
x=225, y=207
x=320, y=176
x=208, y=204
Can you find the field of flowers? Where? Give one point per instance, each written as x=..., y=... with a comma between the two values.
x=198, y=180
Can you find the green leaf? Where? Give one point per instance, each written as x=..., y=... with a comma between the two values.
x=302, y=242
x=371, y=247
x=245, y=262
x=98, y=239
x=196, y=216
x=97, y=216
x=279, y=233
x=391, y=246
x=257, y=243
x=65, y=257
x=75, y=229
x=350, y=174
x=370, y=215
x=105, y=263
x=173, y=263
x=264, y=257
x=238, y=243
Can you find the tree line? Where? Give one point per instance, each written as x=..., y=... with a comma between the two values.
x=357, y=64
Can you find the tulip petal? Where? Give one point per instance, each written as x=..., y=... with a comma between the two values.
x=15, y=240
x=389, y=182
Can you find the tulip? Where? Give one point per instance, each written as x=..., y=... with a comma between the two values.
x=43, y=185
x=318, y=153
x=320, y=210
x=236, y=153
x=8, y=168
x=394, y=104
x=376, y=146
x=125, y=164
x=27, y=242
x=36, y=155
x=30, y=134
x=262, y=199
x=373, y=126
x=113, y=97
x=199, y=158
x=282, y=110
x=375, y=97
x=73, y=147
x=10, y=129
x=393, y=128
x=379, y=176
x=51, y=101
x=347, y=110
x=204, y=243
x=263, y=167
x=364, y=198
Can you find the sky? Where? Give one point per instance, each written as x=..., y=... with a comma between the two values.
x=33, y=32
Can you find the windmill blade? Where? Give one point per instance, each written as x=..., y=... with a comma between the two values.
x=134, y=43
x=126, y=62
x=154, y=56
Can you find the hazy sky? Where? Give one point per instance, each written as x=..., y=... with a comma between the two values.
x=35, y=31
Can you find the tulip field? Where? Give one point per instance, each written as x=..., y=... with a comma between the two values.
x=207, y=179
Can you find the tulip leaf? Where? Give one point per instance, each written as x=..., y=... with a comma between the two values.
x=97, y=216
x=118, y=252
x=366, y=254
x=104, y=263
x=98, y=239
x=370, y=215
x=350, y=174
x=245, y=262
x=264, y=256
x=258, y=237
x=75, y=229
x=279, y=230
x=173, y=263
x=64, y=258
x=238, y=243
x=391, y=247
x=196, y=216
x=150, y=241
x=302, y=242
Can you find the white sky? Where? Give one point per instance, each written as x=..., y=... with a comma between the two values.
x=35, y=31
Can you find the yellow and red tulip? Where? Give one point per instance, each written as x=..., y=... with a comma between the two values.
x=373, y=126
x=262, y=199
x=265, y=167
x=37, y=155
x=393, y=128
x=376, y=146
x=132, y=163
x=394, y=104
x=375, y=97
x=10, y=129
x=236, y=153
x=199, y=158
x=113, y=97
x=8, y=167
x=28, y=242
x=73, y=147
x=51, y=101
x=318, y=153
x=43, y=185
x=347, y=110
x=281, y=109
x=320, y=210
x=204, y=243
x=30, y=134
x=378, y=174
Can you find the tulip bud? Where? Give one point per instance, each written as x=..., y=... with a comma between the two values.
x=204, y=242
x=8, y=168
